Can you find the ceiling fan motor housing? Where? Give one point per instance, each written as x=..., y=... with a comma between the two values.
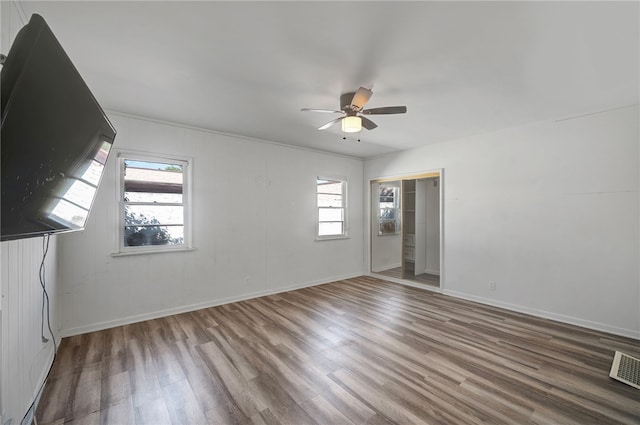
x=345, y=101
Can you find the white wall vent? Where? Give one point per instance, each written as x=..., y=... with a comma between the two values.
x=626, y=369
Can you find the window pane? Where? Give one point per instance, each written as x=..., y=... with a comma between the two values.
x=389, y=195
x=162, y=198
x=150, y=165
x=329, y=186
x=387, y=214
x=143, y=176
x=329, y=200
x=326, y=229
x=159, y=186
x=330, y=214
x=153, y=235
x=387, y=205
x=153, y=214
x=388, y=227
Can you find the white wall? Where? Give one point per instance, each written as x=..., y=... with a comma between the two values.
x=24, y=358
x=549, y=211
x=254, y=229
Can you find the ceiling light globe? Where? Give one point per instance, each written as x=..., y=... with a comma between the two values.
x=351, y=124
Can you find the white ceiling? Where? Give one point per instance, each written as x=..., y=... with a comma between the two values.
x=247, y=68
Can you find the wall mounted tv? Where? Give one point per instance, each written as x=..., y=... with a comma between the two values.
x=55, y=138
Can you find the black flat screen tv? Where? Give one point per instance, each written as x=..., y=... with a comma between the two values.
x=55, y=138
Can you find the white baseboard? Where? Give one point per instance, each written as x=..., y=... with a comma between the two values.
x=435, y=272
x=192, y=307
x=630, y=333
x=387, y=267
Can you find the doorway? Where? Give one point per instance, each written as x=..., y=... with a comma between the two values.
x=406, y=229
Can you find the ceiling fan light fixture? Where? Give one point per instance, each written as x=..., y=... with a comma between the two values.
x=351, y=124
x=351, y=106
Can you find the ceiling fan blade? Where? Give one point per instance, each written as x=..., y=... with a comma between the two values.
x=330, y=123
x=368, y=124
x=360, y=98
x=385, y=110
x=320, y=110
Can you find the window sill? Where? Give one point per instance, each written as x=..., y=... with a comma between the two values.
x=150, y=251
x=331, y=237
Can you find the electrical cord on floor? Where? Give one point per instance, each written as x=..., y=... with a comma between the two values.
x=45, y=302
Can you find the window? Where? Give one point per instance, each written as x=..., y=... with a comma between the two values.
x=331, y=194
x=389, y=210
x=154, y=204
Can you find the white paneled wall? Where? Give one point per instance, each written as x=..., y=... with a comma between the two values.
x=548, y=211
x=254, y=224
x=25, y=358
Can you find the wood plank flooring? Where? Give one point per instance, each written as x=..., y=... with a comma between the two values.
x=358, y=351
x=424, y=278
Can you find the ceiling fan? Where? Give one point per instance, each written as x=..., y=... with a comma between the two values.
x=351, y=106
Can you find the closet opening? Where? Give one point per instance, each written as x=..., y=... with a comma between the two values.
x=406, y=229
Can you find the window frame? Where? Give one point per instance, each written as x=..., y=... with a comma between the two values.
x=187, y=202
x=345, y=227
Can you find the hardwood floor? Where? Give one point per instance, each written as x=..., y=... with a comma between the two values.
x=424, y=278
x=358, y=351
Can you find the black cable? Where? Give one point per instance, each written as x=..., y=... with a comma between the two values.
x=42, y=277
x=45, y=294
